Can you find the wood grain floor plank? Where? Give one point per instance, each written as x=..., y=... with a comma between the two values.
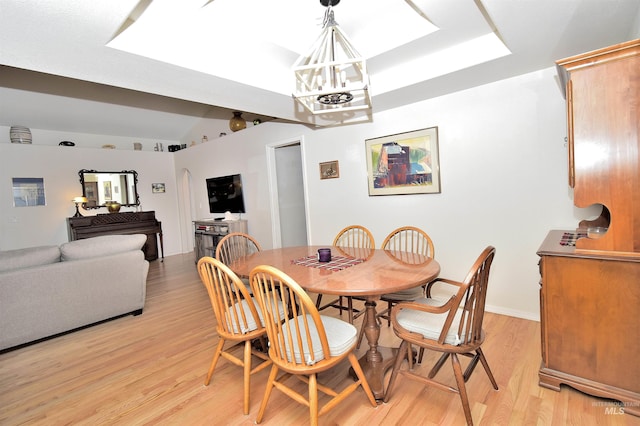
x=149, y=370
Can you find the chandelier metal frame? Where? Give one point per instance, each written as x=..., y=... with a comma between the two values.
x=332, y=75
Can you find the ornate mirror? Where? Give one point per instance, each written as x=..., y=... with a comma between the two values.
x=101, y=188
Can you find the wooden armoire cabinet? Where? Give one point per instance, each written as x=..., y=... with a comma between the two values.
x=590, y=287
x=603, y=124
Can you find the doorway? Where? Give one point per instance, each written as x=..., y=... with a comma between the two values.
x=186, y=209
x=287, y=183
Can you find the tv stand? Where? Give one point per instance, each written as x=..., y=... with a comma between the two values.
x=209, y=232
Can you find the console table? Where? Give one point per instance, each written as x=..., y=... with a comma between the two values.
x=120, y=223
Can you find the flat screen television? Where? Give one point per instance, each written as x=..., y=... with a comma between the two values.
x=225, y=194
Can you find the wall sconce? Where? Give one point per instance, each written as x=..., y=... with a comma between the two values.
x=78, y=201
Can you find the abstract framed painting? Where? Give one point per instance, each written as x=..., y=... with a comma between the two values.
x=404, y=163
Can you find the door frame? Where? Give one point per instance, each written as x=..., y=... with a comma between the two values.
x=272, y=177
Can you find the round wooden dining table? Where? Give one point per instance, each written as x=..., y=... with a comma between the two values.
x=359, y=272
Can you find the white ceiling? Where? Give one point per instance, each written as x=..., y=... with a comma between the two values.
x=183, y=57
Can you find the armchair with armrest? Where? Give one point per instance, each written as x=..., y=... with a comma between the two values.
x=452, y=327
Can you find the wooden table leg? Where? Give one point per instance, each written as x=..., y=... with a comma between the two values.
x=378, y=359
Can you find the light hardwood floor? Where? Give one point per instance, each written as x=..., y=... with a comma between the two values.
x=150, y=370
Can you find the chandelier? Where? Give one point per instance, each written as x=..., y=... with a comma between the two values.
x=332, y=76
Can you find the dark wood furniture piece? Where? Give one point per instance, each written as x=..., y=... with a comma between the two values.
x=120, y=223
x=379, y=272
x=590, y=305
x=590, y=295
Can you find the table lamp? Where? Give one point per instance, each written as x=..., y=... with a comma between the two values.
x=78, y=201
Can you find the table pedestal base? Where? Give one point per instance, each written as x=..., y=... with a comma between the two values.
x=374, y=372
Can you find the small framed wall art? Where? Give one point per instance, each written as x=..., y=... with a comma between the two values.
x=157, y=188
x=329, y=170
x=405, y=163
x=28, y=192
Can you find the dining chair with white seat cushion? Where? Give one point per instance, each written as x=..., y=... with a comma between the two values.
x=404, y=243
x=406, y=239
x=305, y=344
x=235, y=245
x=352, y=236
x=238, y=320
x=450, y=326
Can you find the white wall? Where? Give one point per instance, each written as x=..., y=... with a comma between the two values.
x=242, y=152
x=82, y=140
x=503, y=173
x=42, y=225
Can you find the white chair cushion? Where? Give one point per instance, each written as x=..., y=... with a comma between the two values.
x=429, y=324
x=406, y=295
x=340, y=334
x=251, y=324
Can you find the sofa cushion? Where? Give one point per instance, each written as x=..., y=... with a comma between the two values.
x=101, y=246
x=28, y=257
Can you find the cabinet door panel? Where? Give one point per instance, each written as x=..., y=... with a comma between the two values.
x=591, y=309
x=603, y=124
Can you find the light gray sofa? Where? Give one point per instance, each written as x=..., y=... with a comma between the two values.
x=48, y=290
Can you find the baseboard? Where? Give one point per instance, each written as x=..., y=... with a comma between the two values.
x=513, y=312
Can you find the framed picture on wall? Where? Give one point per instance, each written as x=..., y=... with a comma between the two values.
x=157, y=188
x=107, y=190
x=329, y=170
x=404, y=163
x=28, y=192
x=91, y=192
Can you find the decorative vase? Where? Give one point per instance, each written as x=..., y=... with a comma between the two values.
x=237, y=122
x=113, y=207
x=20, y=134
